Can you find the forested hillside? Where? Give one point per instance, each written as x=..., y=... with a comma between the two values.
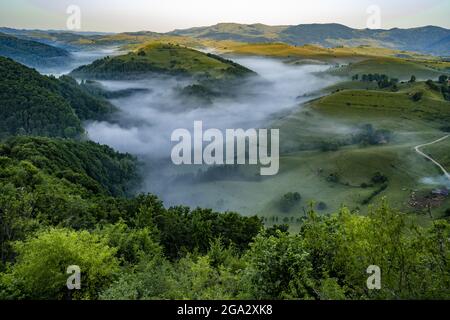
x=39, y=105
x=32, y=53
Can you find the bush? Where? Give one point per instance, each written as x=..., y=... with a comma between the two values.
x=289, y=200
x=329, y=146
x=278, y=268
x=379, y=178
x=432, y=85
x=42, y=262
x=443, y=79
x=333, y=177
x=322, y=206
x=417, y=96
x=447, y=212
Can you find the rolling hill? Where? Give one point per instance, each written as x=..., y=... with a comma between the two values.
x=58, y=38
x=428, y=39
x=32, y=53
x=332, y=147
x=348, y=60
x=160, y=58
x=322, y=141
x=399, y=68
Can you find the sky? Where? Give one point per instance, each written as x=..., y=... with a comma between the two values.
x=167, y=15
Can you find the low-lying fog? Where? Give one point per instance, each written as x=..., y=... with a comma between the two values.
x=147, y=119
x=79, y=58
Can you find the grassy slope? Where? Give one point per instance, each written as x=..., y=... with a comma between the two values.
x=395, y=67
x=360, y=104
x=440, y=152
x=314, y=51
x=162, y=58
x=412, y=123
x=304, y=168
x=362, y=59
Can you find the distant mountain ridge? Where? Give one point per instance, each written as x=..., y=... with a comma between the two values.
x=428, y=39
x=32, y=53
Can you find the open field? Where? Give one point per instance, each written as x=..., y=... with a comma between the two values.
x=394, y=67
x=344, y=175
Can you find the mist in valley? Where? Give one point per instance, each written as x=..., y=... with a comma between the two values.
x=146, y=120
x=78, y=58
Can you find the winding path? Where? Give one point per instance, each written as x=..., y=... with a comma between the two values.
x=417, y=148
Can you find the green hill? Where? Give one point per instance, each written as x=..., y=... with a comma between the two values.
x=395, y=67
x=332, y=149
x=330, y=137
x=159, y=58
x=32, y=53
x=429, y=39
x=234, y=31
x=413, y=108
x=95, y=167
x=39, y=105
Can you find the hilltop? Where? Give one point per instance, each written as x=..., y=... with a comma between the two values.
x=161, y=58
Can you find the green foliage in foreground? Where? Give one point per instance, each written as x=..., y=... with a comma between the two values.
x=37, y=272
x=56, y=190
x=326, y=260
x=134, y=248
x=33, y=104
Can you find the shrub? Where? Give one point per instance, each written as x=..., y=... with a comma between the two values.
x=42, y=262
x=289, y=200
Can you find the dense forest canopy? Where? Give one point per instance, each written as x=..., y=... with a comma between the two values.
x=32, y=53
x=39, y=105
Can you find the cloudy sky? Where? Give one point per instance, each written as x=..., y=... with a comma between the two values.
x=166, y=15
